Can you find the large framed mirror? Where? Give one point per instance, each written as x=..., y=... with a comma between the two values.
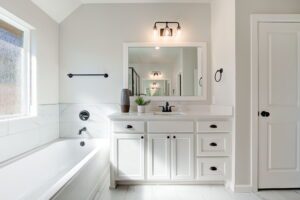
x=166, y=71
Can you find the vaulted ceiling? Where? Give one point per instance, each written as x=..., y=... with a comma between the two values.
x=60, y=9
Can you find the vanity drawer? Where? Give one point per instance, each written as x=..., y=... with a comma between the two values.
x=212, y=169
x=213, y=144
x=129, y=127
x=214, y=126
x=171, y=127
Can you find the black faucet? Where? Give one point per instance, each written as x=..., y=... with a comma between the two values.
x=82, y=130
x=167, y=107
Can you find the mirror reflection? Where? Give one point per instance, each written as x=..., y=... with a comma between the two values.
x=165, y=71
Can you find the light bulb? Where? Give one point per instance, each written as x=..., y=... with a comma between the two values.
x=167, y=31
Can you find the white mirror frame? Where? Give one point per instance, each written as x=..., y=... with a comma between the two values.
x=201, y=62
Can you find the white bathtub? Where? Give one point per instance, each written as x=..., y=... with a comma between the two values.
x=41, y=174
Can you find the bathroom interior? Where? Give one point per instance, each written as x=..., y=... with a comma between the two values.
x=149, y=99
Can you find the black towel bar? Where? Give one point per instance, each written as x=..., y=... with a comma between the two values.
x=71, y=75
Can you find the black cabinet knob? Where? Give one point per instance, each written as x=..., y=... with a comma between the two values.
x=168, y=137
x=129, y=126
x=174, y=137
x=213, y=126
x=213, y=144
x=265, y=114
x=213, y=168
x=142, y=137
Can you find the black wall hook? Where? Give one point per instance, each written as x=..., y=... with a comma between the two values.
x=219, y=71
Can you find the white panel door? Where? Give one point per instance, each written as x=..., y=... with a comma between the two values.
x=182, y=157
x=279, y=76
x=129, y=156
x=159, y=156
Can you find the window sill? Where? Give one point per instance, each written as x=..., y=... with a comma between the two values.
x=17, y=117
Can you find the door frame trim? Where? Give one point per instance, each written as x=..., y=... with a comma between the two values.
x=256, y=19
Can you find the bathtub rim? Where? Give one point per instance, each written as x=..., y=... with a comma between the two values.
x=70, y=174
x=64, y=179
x=36, y=149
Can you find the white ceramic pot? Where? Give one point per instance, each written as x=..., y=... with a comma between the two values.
x=141, y=109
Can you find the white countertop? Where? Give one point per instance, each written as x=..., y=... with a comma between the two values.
x=211, y=114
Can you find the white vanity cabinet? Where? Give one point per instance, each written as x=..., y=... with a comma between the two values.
x=129, y=156
x=182, y=157
x=159, y=149
x=159, y=157
x=170, y=157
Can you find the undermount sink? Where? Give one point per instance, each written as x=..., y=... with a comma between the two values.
x=168, y=113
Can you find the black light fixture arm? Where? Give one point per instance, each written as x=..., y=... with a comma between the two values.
x=71, y=75
x=161, y=22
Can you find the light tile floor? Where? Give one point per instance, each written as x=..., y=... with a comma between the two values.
x=190, y=192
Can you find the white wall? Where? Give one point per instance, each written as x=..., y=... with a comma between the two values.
x=244, y=8
x=92, y=38
x=223, y=50
x=17, y=136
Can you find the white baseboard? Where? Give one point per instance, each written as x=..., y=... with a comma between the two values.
x=243, y=188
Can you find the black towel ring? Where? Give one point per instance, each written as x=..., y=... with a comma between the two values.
x=218, y=79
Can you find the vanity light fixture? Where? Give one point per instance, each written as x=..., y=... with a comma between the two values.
x=166, y=32
x=156, y=73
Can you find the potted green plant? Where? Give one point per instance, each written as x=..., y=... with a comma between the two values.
x=141, y=104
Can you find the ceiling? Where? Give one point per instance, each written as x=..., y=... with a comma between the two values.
x=60, y=9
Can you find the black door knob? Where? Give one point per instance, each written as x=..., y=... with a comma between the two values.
x=265, y=114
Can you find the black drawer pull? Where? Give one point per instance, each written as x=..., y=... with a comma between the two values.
x=213, y=144
x=142, y=137
x=129, y=126
x=213, y=168
x=213, y=126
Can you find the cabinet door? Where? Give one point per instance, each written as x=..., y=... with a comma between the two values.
x=159, y=157
x=182, y=157
x=129, y=156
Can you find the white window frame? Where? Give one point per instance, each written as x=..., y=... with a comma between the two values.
x=28, y=81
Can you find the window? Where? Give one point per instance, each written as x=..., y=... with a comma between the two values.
x=15, y=84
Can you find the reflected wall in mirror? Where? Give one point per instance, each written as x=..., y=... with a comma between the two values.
x=166, y=71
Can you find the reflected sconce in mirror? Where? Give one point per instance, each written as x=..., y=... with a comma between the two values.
x=166, y=31
x=155, y=85
x=156, y=74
